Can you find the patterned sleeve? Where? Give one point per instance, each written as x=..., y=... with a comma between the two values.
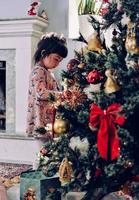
x=41, y=85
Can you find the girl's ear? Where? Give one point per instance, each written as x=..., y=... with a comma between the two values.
x=43, y=53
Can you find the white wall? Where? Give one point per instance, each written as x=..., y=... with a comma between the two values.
x=57, y=11
x=19, y=150
x=13, y=8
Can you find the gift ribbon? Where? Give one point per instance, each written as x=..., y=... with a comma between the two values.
x=107, y=140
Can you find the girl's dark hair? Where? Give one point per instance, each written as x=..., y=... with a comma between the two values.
x=48, y=45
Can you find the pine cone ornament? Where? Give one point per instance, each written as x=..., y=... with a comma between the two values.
x=65, y=171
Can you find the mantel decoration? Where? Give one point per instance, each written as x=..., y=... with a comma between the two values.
x=78, y=8
x=36, y=10
x=97, y=7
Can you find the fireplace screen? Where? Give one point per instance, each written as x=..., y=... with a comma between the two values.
x=2, y=95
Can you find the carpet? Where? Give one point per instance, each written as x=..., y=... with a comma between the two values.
x=10, y=170
x=10, y=173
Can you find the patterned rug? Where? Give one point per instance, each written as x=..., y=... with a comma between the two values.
x=10, y=170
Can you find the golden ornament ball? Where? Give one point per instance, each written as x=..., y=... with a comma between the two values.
x=61, y=126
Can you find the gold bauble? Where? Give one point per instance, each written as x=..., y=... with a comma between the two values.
x=94, y=43
x=61, y=126
x=131, y=39
x=110, y=85
x=131, y=44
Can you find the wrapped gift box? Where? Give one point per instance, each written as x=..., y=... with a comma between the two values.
x=111, y=196
x=36, y=181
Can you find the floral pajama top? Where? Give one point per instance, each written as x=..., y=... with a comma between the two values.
x=40, y=112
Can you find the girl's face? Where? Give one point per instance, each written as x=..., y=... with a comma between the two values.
x=52, y=60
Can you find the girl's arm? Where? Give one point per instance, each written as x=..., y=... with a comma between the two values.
x=40, y=83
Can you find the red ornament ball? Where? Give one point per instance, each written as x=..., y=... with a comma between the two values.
x=94, y=77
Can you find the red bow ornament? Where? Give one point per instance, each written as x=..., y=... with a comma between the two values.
x=107, y=140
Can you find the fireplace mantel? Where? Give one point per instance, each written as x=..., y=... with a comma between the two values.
x=31, y=26
x=18, y=37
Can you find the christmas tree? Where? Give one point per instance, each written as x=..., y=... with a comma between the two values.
x=96, y=122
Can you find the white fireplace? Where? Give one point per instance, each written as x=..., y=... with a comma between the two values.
x=17, y=43
x=18, y=38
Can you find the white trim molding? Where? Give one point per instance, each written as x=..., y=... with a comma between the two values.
x=32, y=26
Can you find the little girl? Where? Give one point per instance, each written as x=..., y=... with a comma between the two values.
x=51, y=50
